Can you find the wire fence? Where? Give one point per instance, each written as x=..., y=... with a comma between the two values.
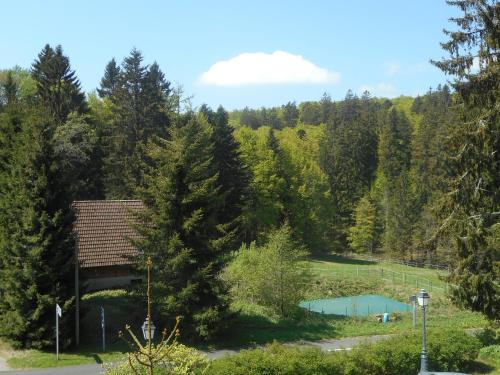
x=409, y=263
x=401, y=278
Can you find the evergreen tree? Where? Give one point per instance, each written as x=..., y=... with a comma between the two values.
x=233, y=176
x=36, y=242
x=109, y=81
x=74, y=144
x=8, y=91
x=349, y=156
x=290, y=114
x=157, y=91
x=285, y=194
x=57, y=85
x=430, y=172
x=140, y=111
x=394, y=155
x=327, y=108
x=181, y=229
x=428, y=144
x=474, y=201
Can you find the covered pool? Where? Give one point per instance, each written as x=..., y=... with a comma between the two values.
x=356, y=305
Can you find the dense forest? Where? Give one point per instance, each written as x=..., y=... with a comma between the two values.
x=406, y=178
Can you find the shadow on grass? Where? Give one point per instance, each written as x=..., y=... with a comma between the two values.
x=478, y=367
x=252, y=329
x=340, y=259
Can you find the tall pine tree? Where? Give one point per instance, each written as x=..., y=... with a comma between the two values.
x=349, y=156
x=181, y=231
x=57, y=85
x=394, y=163
x=109, y=81
x=36, y=241
x=474, y=200
x=233, y=176
x=140, y=105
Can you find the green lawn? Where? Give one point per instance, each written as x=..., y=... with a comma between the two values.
x=254, y=325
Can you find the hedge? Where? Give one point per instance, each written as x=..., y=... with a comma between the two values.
x=399, y=355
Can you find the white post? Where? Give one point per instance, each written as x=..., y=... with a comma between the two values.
x=414, y=314
x=57, y=333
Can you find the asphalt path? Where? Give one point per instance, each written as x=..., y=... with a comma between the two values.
x=70, y=370
x=325, y=345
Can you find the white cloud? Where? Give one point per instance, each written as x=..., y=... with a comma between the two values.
x=260, y=68
x=381, y=89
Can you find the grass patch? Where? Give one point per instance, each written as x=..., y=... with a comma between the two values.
x=39, y=359
x=120, y=307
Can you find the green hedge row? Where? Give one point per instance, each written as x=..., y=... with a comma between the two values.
x=400, y=355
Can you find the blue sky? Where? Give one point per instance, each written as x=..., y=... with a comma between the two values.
x=238, y=53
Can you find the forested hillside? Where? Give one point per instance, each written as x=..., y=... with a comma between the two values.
x=366, y=178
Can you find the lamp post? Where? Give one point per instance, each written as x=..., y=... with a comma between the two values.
x=423, y=300
x=148, y=328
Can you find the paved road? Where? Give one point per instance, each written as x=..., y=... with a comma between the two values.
x=73, y=370
x=325, y=345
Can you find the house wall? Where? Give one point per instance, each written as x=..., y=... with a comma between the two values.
x=100, y=278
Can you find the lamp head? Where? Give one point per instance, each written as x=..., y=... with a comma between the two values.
x=423, y=298
x=145, y=329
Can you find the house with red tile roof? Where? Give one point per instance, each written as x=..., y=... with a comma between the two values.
x=105, y=254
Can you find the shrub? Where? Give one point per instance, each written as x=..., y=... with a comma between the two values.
x=179, y=360
x=341, y=287
x=272, y=275
x=275, y=359
x=400, y=355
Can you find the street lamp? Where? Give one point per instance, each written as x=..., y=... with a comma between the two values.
x=146, y=330
x=423, y=300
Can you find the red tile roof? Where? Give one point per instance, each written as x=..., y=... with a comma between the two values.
x=103, y=231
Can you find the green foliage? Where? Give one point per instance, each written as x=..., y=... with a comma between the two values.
x=74, y=145
x=57, y=85
x=343, y=287
x=363, y=236
x=290, y=114
x=275, y=359
x=110, y=80
x=394, y=186
x=36, y=241
x=271, y=275
x=180, y=230
x=400, y=355
x=310, y=113
x=140, y=104
x=25, y=85
x=288, y=183
x=473, y=204
x=349, y=156
x=177, y=359
x=233, y=177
